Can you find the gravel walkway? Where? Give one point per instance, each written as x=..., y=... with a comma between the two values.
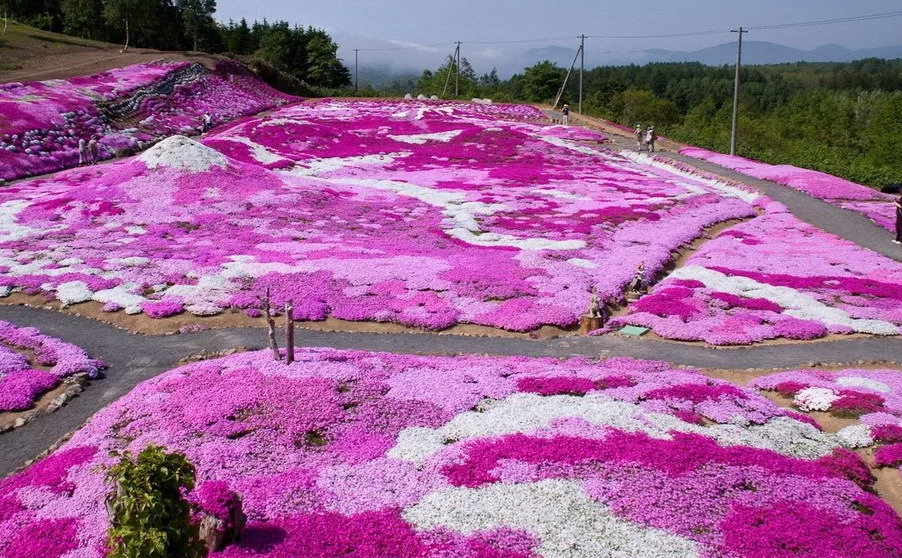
x=134, y=358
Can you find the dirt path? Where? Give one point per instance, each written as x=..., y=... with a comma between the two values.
x=134, y=358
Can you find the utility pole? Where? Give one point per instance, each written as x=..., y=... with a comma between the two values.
x=741, y=31
x=582, y=68
x=356, y=50
x=560, y=92
x=457, y=77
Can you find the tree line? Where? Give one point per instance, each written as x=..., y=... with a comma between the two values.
x=288, y=54
x=840, y=118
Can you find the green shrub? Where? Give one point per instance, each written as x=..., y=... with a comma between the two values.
x=149, y=515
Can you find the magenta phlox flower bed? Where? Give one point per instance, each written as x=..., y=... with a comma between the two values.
x=363, y=454
x=873, y=396
x=424, y=214
x=125, y=108
x=838, y=191
x=771, y=277
x=20, y=382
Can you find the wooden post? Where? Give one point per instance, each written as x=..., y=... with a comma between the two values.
x=289, y=332
x=271, y=324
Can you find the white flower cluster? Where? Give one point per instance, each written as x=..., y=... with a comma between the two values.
x=815, y=399
x=184, y=154
x=794, y=302
x=422, y=139
x=855, y=436
x=528, y=412
x=858, y=381
x=745, y=194
x=567, y=523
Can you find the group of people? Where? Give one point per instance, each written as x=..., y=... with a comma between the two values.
x=646, y=140
x=88, y=151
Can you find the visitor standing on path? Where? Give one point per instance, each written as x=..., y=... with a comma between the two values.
x=898, y=220
x=565, y=115
x=82, y=151
x=93, y=151
x=639, y=135
x=650, y=138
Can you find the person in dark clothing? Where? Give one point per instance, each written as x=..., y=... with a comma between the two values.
x=898, y=220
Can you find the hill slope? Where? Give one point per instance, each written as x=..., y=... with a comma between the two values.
x=29, y=54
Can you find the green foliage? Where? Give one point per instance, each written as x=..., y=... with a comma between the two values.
x=442, y=81
x=150, y=517
x=542, y=82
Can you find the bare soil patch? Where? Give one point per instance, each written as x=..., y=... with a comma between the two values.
x=29, y=54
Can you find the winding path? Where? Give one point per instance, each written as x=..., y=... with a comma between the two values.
x=134, y=358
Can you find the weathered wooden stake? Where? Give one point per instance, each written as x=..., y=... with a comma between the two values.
x=271, y=324
x=289, y=332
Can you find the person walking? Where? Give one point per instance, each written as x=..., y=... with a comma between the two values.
x=93, y=151
x=565, y=115
x=898, y=220
x=639, y=135
x=82, y=151
x=208, y=122
x=650, y=138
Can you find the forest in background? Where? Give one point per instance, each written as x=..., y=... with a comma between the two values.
x=840, y=118
x=292, y=58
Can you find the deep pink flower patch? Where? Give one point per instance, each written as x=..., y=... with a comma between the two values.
x=888, y=456
x=684, y=453
x=794, y=282
x=20, y=383
x=556, y=385
x=348, y=453
x=887, y=433
x=790, y=529
x=47, y=538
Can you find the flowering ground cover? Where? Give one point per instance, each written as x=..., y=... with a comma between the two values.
x=20, y=382
x=366, y=454
x=771, y=277
x=838, y=191
x=424, y=214
x=873, y=397
x=41, y=123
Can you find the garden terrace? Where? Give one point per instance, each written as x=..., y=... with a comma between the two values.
x=425, y=215
x=774, y=276
x=352, y=452
x=33, y=364
x=126, y=109
x=872, y=204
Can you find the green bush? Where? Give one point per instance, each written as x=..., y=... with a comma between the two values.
x=149, y=515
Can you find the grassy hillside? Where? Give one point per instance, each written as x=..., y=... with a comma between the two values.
x=29, y=54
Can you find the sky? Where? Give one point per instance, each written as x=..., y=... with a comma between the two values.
x=384, y=23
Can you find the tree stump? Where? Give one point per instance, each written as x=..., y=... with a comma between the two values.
x=588, y=324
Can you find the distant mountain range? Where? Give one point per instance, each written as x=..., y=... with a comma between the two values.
x=382, y=61
x=753, y=52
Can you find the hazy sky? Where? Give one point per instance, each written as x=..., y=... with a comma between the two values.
x=433, y=21
x=382, y=23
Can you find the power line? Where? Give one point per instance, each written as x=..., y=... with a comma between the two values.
x=852, y=19
x=871, y=17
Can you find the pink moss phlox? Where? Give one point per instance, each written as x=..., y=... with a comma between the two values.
x=887, y=433
x=794, y=528
x=888, y=456
x=555, y=385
